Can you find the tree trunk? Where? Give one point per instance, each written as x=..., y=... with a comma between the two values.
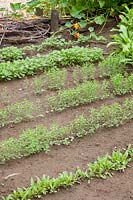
x=54, y=20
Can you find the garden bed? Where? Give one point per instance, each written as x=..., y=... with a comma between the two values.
x=78, y=152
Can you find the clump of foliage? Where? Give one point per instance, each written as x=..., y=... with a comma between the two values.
x=84, y=73
x=62, y=58
x=124, y=38
x=109, y=116
x=53, y=79
x=11, y=53
x=121, y=84
x=56, y=42
x=88, y=92
x=41, y=139
x=113, y=64
x=53, y=42
x=80, y=9
x=73, y=56
x=16, y=113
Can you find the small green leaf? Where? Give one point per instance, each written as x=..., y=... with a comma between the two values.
x=91, y=29
x=68, y=24
x=101, y=3
x=99, y=19
x=83, y=23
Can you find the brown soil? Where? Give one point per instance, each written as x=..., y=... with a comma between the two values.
x=119, y=187
x=63, y=158
x=67, y=158
x=14, y=130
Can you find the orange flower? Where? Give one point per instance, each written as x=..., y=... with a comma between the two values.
x=76, y=35
x=76, y=26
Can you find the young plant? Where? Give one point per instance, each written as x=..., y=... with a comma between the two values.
x=109, y=116
x=101, y=168
x=4, y=96
x=16, y=113
x=26, y=87
x=55, y=78
x=11, y=54
x=38, y=85
x=121, y=84
x=87, y=72
x=84, y=73
x=41, y=139
x=54, y=42
x=112, y=65
x=73, y=56
x=63, y=58
x=85, y=93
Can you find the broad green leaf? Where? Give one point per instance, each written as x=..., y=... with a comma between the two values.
x=68, y=24
x=77, y=13
x=83, y=23
x=101, y=3
x=99, y=19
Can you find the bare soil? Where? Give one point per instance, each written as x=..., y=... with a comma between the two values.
x=67, y=158
x=119, y=187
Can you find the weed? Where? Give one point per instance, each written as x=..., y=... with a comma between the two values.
x=121, y=84
x=112, y=65
x=5, y=97
x=41, y=139
x=55, y=78
x=16, y=113
x=86, y=93
x=38, y=85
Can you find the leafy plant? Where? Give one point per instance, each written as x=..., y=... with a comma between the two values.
x=73, y=56
x=38, y=85
x=124, y=38
x=63, y=58
x=41, y=139
x=54, y=42
x=84, y=73
x=86, y=93
x=101, y=168
x=109, y=116
x=16, y=113
x=121, y=84
x=11, y=53
x=55, y=78
x=112, y=65
x=17, y=10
